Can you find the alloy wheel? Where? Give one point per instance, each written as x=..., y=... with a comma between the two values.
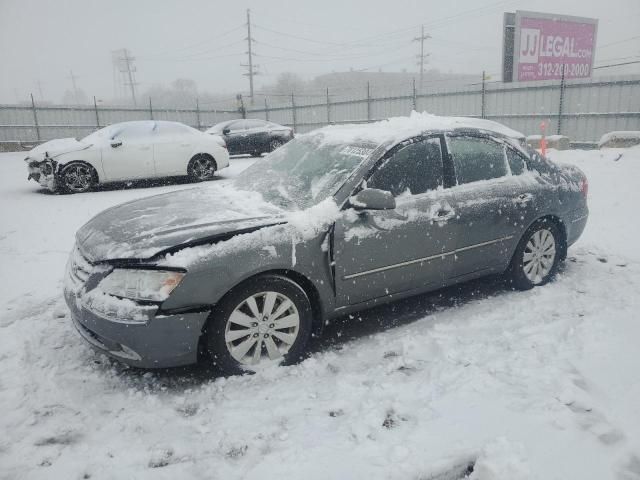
x=203, y=168
x=263, y=327
x=539, y=256
x=78, y=178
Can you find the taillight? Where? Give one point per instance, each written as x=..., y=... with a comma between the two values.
x=584, y=186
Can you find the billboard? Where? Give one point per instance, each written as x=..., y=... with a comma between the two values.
x=543, y=43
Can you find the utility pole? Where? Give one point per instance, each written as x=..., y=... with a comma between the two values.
x=249, y=52
x=129, y=69
x=422, y=55
x=75, y=86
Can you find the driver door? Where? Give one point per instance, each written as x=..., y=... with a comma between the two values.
x=128, y=154
x=385, y=252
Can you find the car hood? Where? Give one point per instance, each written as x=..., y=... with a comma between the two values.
x=141, y=229
x=54, y=148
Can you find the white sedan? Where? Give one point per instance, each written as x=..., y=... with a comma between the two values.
x=127, y=151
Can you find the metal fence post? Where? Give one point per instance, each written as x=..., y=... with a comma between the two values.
x=368, y=102
x=150, y=109
x=198, y=114
x=293, y=112
x=328, y=107
x=484, y=92
x=560, y=105
x=95, y=108
x=415, y=96
x=266, y=109
x=35, y=117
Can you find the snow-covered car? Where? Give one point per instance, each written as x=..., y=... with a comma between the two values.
x=127, y=151
x=252, y=136
x=334, y=221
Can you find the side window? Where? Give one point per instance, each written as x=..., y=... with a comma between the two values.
x=415, y=169
x=251, y=124
x=136, y=131
x=171, y=129
x=517, y=162
x=477, y=158
x=237, y=126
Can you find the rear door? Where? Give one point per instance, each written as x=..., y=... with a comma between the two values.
x=380, y=253
x=236, y=137
x=491, y=205
x=129, y=152
x=171, y=149
x=257, y=135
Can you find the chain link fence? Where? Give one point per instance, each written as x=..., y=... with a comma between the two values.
x=583, y=110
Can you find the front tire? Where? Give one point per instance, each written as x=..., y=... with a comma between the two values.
x=264, y=321
x=77, y=177
x=537, y=257
x=202, y=167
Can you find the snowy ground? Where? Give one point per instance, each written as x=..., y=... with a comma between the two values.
x=542, y=384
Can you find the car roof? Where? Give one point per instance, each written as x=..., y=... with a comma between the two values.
x=398, y=129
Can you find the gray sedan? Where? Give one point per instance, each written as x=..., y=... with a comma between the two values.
x=335, y=221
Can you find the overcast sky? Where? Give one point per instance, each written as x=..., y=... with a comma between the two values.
x=204, y=39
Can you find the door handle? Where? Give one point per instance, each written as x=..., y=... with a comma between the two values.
x=523, y=199
x=145, y=148
x=444, y=214
x=185, y=144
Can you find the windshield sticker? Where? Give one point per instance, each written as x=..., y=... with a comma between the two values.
x=357, y=151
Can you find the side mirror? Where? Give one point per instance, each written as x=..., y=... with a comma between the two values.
x=226, y=131
x=373, y=199
x=115, y=144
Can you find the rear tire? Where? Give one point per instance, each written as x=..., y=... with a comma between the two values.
x=264, y=321
x=275, y=144
x=201, y=167
x=537, y=257
x=77, y=177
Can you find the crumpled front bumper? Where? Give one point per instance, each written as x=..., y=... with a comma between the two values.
x=138, y=335
x=43, y=172
x=163, y=341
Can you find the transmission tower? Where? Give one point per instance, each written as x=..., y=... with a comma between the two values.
x=251, y=72
x=123, y=64
x=422, y=56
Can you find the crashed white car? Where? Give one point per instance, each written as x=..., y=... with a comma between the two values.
x=127, y=151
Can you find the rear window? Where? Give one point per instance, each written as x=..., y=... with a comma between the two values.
x=477, y=158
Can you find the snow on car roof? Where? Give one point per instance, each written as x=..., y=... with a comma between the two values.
x=396, y=129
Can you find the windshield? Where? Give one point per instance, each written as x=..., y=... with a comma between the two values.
x=98, y=135
x=217, y=128
x=303, y=172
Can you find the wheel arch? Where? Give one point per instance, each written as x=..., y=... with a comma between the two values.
x=301, y=280
x=560, y=225
x=199, y=152
x=62, y=165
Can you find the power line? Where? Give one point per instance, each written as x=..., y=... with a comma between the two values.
x=624, y=40
x=193, y=45
x=617, y=64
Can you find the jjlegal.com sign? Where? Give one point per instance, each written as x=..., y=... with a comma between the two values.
x=545, y=42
